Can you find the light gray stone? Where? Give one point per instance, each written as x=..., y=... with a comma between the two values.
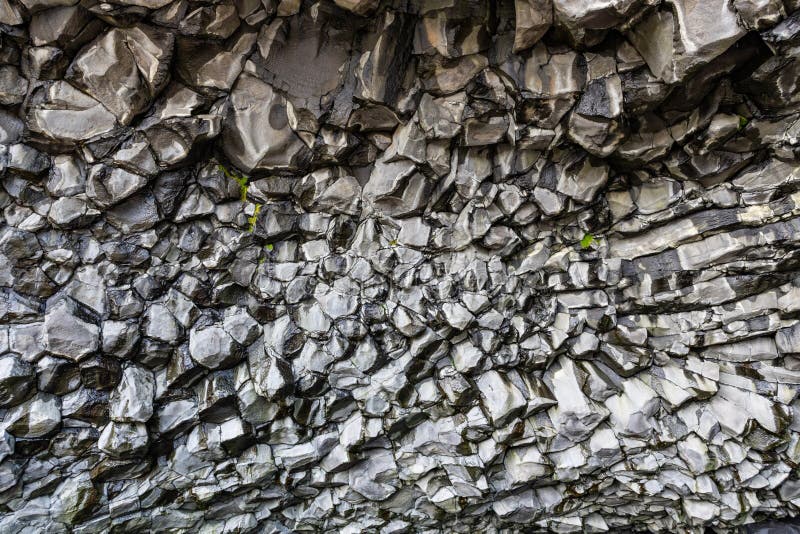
x=69, y=332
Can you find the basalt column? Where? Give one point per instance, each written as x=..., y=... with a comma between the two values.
x=399, y=266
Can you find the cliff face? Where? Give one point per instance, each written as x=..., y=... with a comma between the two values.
x=411, y=266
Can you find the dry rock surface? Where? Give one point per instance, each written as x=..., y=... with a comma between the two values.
x=385, y=266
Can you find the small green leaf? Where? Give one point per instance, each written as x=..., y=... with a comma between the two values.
x=269, y=247
x=742, y=122
x=587, y=241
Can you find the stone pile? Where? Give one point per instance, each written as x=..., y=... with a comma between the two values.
x=399, y=266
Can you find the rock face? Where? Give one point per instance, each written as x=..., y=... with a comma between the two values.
x=258, y=135
x=421, y=266
x=124, y=68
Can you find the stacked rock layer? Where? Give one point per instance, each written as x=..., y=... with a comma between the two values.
x=412, y=266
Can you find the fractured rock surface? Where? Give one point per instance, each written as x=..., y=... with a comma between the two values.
x=380, y=266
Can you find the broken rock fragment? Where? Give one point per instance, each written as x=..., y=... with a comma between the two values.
x=124, y=69
x=69, y=331
x=16, y=379
x=63, y=113
x=213, y=347
x=533, y=19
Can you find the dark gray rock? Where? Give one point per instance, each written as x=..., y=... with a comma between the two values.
x=63, y=113
x=100, y=372
x=13, y=87
x=17, y=378
x=533, y=19
x=380, y=71
x=674, y=43
x=138, y=213
x=57, y=375
x=257, y=134
x=124, y=69
x=440, y=265
x=108, y=186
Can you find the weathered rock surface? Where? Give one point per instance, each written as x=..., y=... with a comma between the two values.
x=258, y=135
x=124, y=69
x=425, y=266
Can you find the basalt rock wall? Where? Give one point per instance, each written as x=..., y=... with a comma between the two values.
x=399, y=266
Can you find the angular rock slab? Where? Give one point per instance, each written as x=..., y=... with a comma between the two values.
x=684, y=35
x=124, y=69
x=257, y=134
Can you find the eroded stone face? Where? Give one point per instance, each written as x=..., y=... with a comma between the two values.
x=124, y=69
x=428, y=266
x=257, y=134
x=674, y=42
x=64, y=113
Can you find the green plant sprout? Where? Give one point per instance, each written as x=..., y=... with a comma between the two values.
x=252, y=219
x=263, y=257
x=742, y=122
x=241, y=180
x=587, y=241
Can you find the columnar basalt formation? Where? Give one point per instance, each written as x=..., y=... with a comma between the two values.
x=399, y=266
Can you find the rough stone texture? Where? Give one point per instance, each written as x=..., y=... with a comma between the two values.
x=381, y=266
